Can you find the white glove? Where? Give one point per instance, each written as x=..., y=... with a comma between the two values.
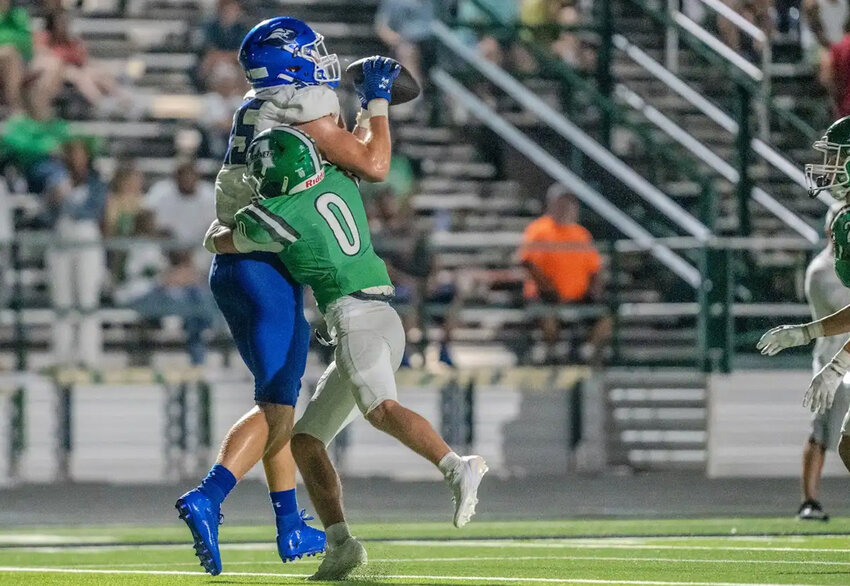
x=821, y=391
x=782, y=337
x=212, y=232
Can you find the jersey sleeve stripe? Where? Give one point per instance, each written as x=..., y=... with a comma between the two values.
x=274, y=224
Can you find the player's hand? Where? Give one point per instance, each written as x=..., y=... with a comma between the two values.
x=821, y=391
x=782, y=337
x=379, y=73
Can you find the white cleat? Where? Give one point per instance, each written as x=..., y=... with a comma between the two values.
x=340, y=561
x=464, y=481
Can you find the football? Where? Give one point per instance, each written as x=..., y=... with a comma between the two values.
x=405, y=87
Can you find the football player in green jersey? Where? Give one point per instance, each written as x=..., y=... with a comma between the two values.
x=832, y=175
x=312, y=215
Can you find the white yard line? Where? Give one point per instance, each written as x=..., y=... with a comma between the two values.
x=506, y=559
x=569, y=544
x=562, y=544
x=12, y=569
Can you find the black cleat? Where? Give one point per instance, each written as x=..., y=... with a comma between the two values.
x=811, y=510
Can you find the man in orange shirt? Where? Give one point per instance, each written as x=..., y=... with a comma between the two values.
x=563, y=265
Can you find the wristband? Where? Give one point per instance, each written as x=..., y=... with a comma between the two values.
x=364, y=119
x=378, y=107
x=813, y=330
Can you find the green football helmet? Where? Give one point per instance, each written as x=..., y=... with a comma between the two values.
x=282, y=161
x=834, y=173
x=839, y=232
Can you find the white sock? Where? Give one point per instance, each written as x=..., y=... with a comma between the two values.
x=449, y=462
x=337, y=534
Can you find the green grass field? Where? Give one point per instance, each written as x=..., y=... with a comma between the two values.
x=638, y=552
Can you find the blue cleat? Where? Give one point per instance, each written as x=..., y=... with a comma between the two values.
x=203, y=517
x=300, y=540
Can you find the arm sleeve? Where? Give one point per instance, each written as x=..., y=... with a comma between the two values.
x=298, y=106
x=249, y=234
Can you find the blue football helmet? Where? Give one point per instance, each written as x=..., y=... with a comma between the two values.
x=284, y=51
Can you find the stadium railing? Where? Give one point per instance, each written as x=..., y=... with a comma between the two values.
x=613, y=113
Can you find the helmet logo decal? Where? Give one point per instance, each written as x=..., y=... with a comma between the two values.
x=264, y=156
x=281, y=37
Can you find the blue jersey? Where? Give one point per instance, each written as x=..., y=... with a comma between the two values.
x=284, y=105
x=263, y=306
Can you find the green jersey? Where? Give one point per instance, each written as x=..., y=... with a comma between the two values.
x=323, y=235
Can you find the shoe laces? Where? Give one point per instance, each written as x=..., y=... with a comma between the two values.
x=306, y=516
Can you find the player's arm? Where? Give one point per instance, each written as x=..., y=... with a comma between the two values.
x=788, y=336
x=367, y=151
x=367, y=156
x=246, y=236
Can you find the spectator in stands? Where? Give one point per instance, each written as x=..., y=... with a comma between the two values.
x=755, y=11
x=145, y=261
x=123, y=206
x=834, y=73
x=563, y=266
x=405, y=26
x=821, y=25
x=62, y=57
x=125, y=201
x=32, y=142
x=226, y=85
x=221, y=38
x=536, y=14
x=15, y=51
x=492, y=45
x=181, y=290
x=75, y=204
x=183, y=208
x=568, y=45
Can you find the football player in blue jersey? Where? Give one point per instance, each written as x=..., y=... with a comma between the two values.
x=293, y=78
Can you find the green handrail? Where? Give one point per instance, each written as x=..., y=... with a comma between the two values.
x=664, y=151
x=736, y=75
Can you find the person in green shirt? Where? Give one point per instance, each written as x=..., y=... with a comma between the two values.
x=311, y=214
x=33, y=144
x=15, y=49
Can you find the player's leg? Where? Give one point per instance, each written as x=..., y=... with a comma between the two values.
x=259, y=304
x=294, y=537
x=814, y=455
x=331, y=408
x=826, y=432
x=369, y=350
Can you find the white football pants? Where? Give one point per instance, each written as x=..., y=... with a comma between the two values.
x=369, y=348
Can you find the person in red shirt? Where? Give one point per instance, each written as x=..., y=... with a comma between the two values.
x=563, y=266
x=834, y=73
x=62, y=57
